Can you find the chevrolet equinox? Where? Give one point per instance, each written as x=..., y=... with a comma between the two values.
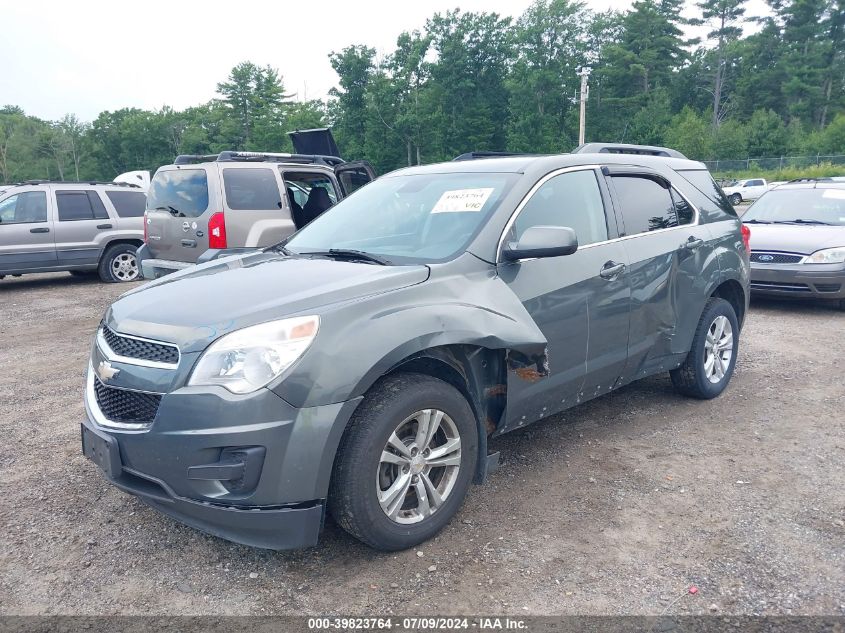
x=361, y=366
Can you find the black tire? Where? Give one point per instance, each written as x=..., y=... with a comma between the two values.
x=690, y=379
x=353, y=500
x=736, y=199
x=109, y=268
x=842, y=304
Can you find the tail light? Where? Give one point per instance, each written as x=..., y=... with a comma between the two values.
x=217, y=231
x=746, y=238
x=145, y=228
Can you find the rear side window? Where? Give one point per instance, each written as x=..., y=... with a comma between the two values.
x=182, y=191
x=80, y=205
x=703, y=181
x=646, y=205
x=571, y=199
x=128, y=204
x=24, y=208
x=252, y=189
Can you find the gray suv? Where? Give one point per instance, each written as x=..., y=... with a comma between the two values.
x=81, y=227
x=202, y=207
x=361, y=366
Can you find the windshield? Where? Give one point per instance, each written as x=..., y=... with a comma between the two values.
x=421, y=218
x=822, y=206
x=183, y=191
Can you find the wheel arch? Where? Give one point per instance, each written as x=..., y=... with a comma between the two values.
x=121, y=240
x=478, y=373
x=733, y=292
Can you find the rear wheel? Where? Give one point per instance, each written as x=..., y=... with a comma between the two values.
x=736, y=199
x=119, y=263
x=405, y=462
x=710, y=363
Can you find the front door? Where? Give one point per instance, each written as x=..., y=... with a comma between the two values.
x=579, y=301
x=26, y=232
x=353, y=176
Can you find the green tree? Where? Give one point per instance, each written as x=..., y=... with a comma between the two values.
x=256, y=98
x=767, y=136
x=724, y=18
x=690, y=133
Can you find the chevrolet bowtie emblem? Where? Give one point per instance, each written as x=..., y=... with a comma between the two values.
x=106, y=372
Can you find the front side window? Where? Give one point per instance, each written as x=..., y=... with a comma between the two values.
x=572, y=200
x=128, y=204
x=179, y=191
x=28, y=207
x=253, y=189
x=80, y=205
x=646, y=204
x=408, y=218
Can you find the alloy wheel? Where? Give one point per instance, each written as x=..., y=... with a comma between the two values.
x=718, y=349
x=418, y=467
x=124, y=267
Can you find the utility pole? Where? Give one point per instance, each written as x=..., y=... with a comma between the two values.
x=585, y=91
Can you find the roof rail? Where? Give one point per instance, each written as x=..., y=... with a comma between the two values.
x=258, y=157
x=821, y=179
x=72, y=182
x=625, y=148
x=478, y=155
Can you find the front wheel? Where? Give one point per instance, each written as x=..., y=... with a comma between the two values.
x=119, y=263
x=405, y=462
x=736, y=199
x=710, y=363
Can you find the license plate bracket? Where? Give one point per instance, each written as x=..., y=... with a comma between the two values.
x=103, y=450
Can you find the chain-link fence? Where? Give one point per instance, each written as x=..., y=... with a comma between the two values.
x=771, y=164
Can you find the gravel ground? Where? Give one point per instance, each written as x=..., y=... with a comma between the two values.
x=616, y=507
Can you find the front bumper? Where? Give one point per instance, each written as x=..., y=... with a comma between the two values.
x=817, y=281
x=250, y=469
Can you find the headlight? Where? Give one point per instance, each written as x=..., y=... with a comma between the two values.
x=248, y=359
x=827, y=256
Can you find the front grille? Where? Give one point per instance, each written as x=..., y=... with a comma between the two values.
x=122, y=405
x=143, y=350
x=776, y=285
x=828, y=287
x=775, y=258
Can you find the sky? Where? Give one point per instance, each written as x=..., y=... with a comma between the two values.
x=86, y=56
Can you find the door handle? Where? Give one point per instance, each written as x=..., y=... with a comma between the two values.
x=611, y=270
x=104, y=226
x=692, y=243
x=189, y=243
x=42, y=229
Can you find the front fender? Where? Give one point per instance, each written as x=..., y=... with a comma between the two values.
x=360, y=341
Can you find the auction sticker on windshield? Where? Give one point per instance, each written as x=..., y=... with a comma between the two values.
x=462, y=200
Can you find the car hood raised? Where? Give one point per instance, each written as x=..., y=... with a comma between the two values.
x=196, y=306
x=795, y=238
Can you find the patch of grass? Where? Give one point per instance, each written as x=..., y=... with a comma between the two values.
x=788, y=173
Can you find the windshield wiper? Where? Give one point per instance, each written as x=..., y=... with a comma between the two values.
x=803, y=221
x=756, y=222
x=176, y=213
x=345, y=253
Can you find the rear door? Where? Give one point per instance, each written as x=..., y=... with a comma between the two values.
x=671, y=262
x=353, y=176
x=81, y=217
x=580, y=308
x=180, y=202
x=26, y=232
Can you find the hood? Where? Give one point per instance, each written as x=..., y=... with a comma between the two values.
x=795, y=238
x=196, y=306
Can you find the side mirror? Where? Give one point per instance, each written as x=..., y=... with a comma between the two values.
x=542, y=241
